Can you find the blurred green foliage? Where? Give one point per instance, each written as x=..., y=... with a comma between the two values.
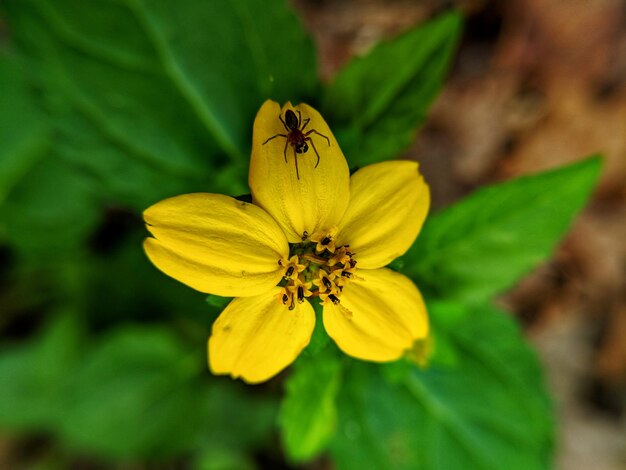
x=133, y=392
x=111, y=105
x=22, y=131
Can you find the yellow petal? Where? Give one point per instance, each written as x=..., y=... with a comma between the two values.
x=381, y=313
x=256, y=337
x=216, y=244
x=388, y=204
x=315, y=201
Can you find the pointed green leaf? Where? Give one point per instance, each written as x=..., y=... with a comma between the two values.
x=376, y=102
x=485, y=243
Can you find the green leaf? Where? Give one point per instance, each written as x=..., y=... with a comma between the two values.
x=153, y=99
x=485, y=243
x=31, y=375
x=42, y=200
x=490, y=411
x=235, y=418
x=218, y=303
x=222, y=460
x=135, y=394
x=132, y=396
x=51, y=211
x=23, y=133
x=319, y=339
x=376, y=102
x=308, y=414
x=138, y=394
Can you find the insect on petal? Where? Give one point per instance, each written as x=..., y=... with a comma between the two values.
x=316, y=195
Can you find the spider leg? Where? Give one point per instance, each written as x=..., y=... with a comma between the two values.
x=313, y=131
x=299, y=118
x=281, y=120
x=306, y=121
x=295, y=157
x=315, y=150
x=285, y=151
x=273, y=137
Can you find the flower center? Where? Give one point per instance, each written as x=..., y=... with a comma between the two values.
x=316, y=267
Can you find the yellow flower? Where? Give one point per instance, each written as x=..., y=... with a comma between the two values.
x=311, y=231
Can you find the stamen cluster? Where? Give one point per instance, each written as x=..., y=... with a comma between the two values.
x=316, y=268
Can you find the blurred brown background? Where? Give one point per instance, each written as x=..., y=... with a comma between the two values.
x=536, y=84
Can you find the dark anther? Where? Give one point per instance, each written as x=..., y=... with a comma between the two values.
x=305, y=235
x=300, y=294
x=285, y=299
x=333, y=299
x=326, y=283
x=289, y=271
x=326, y=241
x=347, y=274
x=352, y=263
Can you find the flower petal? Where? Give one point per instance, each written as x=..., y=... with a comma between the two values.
x=388, y=204
x=216, y=244
x=380, y=316
x=256, y=337
x=319, y=197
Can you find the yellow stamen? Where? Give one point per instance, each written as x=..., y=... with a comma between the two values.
x=325, y=240
x=324, y=282
x=342, y=256
x=300, y=289
x=285, y=297
x=313, y=258
x=292, y=267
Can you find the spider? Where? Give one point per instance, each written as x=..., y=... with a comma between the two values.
x=297, y=137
